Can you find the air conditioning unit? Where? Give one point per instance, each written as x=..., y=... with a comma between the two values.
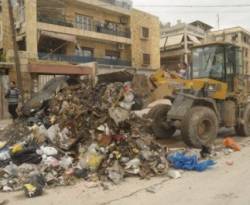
x=121, y=46
x=124, y=20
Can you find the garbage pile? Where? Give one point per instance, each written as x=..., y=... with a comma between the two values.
x=81, y=131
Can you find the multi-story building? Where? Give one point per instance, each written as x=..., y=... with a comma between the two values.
x=177, y=40
x=108, y=32
x=58, y=37
x=240, y=37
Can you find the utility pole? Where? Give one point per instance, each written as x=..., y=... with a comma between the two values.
x=218, y=21
x=15, y=48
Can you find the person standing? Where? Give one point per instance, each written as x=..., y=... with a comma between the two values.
x=12, y=96
x=183, y=70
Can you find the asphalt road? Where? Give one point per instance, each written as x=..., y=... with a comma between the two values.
x=224, y=184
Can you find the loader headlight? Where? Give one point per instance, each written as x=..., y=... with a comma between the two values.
x=212, y=88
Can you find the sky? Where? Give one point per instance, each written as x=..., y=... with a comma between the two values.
x=228, y=16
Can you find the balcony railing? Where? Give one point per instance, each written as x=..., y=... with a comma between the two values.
x=83, y=59
x=120, y=3
x=92, y=25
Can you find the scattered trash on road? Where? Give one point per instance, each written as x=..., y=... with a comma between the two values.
x=181, y=161
x=230, y=143
x=174, y=174
x=230, y=163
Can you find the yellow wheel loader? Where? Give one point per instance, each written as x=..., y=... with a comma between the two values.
x=215, y=95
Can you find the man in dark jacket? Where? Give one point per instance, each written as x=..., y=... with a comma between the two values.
x=12, y=96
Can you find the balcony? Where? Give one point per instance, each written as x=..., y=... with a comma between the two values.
x=94, y=26
x=123, y=7
x=82, y=59
x=122, y=4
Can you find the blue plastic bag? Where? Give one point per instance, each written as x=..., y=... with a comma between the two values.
x=182, y=161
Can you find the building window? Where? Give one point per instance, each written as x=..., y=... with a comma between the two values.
x=245, y=39
x=114, y=55
x=84, y=22
x=235, y=37
x=146, y=59
x=145, y=32
x=86, y=52
x=246, y=52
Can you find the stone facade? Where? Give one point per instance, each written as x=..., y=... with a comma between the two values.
x=129, y=46
x=141, y=45
x=53, y=32
x=240, y=37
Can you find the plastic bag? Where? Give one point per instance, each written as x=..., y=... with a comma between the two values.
x=182, y=161
x=92, y=159
x=35, y=186
x=230, y=143
x=25, y=154
x=4, y=155
x=49, y=151
x=66, y=162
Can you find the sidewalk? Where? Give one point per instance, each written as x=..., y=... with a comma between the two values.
x=4, y=123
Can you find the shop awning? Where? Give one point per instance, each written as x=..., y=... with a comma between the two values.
x=194, y=39
x=65, y=37
x=163, y=42
x=174, y=40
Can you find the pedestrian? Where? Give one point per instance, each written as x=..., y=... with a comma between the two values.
x=12, y=96
x=183, y=70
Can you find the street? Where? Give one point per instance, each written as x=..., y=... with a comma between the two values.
x=223, y=184
x=124, y=102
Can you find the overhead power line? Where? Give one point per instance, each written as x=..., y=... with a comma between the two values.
x=196, y=6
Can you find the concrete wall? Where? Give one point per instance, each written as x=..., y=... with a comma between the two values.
x=151, y=45
x=227, y=34
x=31, y=28
x=7, y=40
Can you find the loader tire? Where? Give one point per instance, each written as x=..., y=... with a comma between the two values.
x=159, y=115
x=243, y=129
x=199, y=127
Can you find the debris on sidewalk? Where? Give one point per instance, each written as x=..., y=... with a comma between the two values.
x=77, y=131
x=230, y=143
x=34, y=187
x=230, y=163
x=181, y=161
x=174, y=174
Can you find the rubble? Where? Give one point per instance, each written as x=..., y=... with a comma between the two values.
x=77, y=131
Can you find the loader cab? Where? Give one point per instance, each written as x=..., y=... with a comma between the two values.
x=218, y=61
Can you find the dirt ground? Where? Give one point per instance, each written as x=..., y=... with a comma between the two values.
x=223, y=184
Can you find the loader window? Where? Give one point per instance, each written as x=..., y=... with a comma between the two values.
x=233, y=60
x=208, y=62
x=239, y=66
